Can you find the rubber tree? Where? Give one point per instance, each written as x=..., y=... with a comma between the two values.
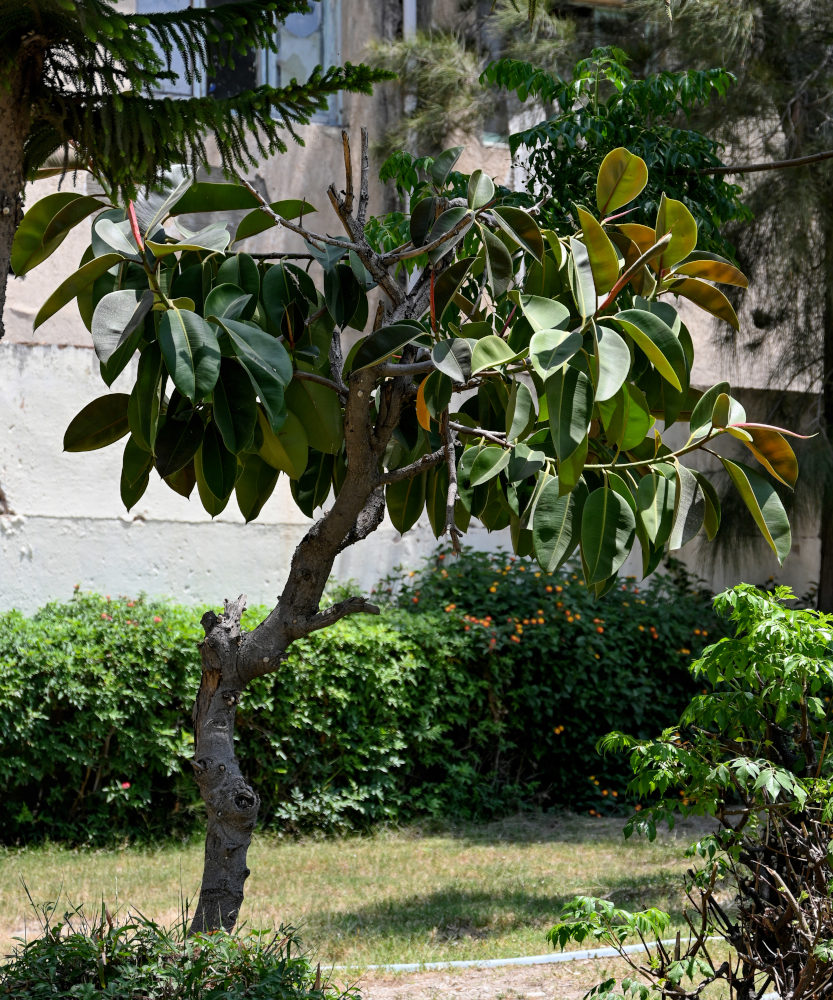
x=520, y=378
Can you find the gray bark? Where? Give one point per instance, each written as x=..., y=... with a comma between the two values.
x=12, y=130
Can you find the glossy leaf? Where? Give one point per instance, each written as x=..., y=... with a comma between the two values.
x=75, y=284
x=241, y=270
x=521, y=228
x=622, y=176
x=626, y=417
x=183, y=480
x=217, y=464
x=449, y=283
x=208, y=196
x=212, y=505
x=267, y=364
x=319, y=410
x=643, y=236
x=444, y=164
x=764, y=504
x=608, y=527
x=604, y=261
x=453, y=358
x=98, y=424
x=436, y=498
x=117, y=327
x=498, y=263
x=570, y=403
x=256, y=482
x=436, y=392
x=524, y=463
x=212, y=238
x=313, y=488
x=191, y=352
x=490, y=352
x=542, y=313
x=673, y=217
x=31, y=245
x=700, y=422
x=382, y=343
x=656, y=339
x=118, y=236
x=145, y=402
x=555, y=526
x=550, y=349
x=135, y=473
x=613, y=359
x=405, y=501
x=258, y=221
x=423, y=217
x=177, y=441
x=490, y=461
x=707, y=297
x=710, y=267
x=481, y=189
x=711, y=519
x=451, y=219
x=520, y=413
x=581, y=279
x=655, y=497
x=225, y=301
x=287, y=450
x=689, y=508
x=235, y=406
x=772, y=450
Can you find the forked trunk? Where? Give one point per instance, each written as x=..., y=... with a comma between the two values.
x=231, y=803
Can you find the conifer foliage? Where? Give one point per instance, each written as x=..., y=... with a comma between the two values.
x=81, y=76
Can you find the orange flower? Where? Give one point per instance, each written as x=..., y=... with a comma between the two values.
x=515, y=638
x=599, y=629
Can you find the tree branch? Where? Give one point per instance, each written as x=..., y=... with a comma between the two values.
x=364, y=191
x=479, y=432
x=329, y=616
x=348, y=171
x=341, y=390
x=751, y=168
x=417, y=368
x=409, y=471
x=451, y=497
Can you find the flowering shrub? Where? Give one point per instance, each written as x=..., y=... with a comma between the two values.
x=559, y=664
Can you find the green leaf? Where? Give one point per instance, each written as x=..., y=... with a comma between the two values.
x=481, y=190
x=235, y=406
x=45, y=226
x=490, y=461
x=423, y=216
x=240, y=269
x=655, y=497
x=689, y=508
x=622, y=176
x=75, y=284
x=707, y=297
x=182, y=481
x=342, y=294
x=382, y=343
x=448, y=284
x=405, y=501
x=258, y=221
x=520, y=227
x=313, y=488
x=319, y=410
x=542, y=313
x=98, y=424
x=449, y=220
x=520, y=413
x=225, y=301
x=453, y=358
x=287, y=450
x=435, y=392
x=772, y=450
x=177, y=441
x=763, y=504
x=267, y=364
x=145, y=399
x=490, y=352
x=555, y=525
x=712, y=268
x=604, y=261
x=436, y=498
x=444, y=164
x=608, y=527
x=626, y=417
x=211, y=504
x=255, y=484
x=613, y=360
x=570, y=402
x=673, y=217
x=580, y=274
x=498, y=263
x=656, y=339
x=135, y=473
x=711, y=520
x=550, y=349
x=207, y=196
x=701, y=416
x=117, y=327
x=191, y=352
x=218, y=464
x=117, y=236
x=213, y=238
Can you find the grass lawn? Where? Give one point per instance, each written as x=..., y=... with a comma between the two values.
x=412, y=895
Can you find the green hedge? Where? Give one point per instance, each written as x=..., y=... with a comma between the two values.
x=491, y=698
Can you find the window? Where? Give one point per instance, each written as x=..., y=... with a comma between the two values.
x=306, y=41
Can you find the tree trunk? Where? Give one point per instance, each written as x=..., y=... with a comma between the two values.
x=12, y=130
x=231, y=803
x=825, y=594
